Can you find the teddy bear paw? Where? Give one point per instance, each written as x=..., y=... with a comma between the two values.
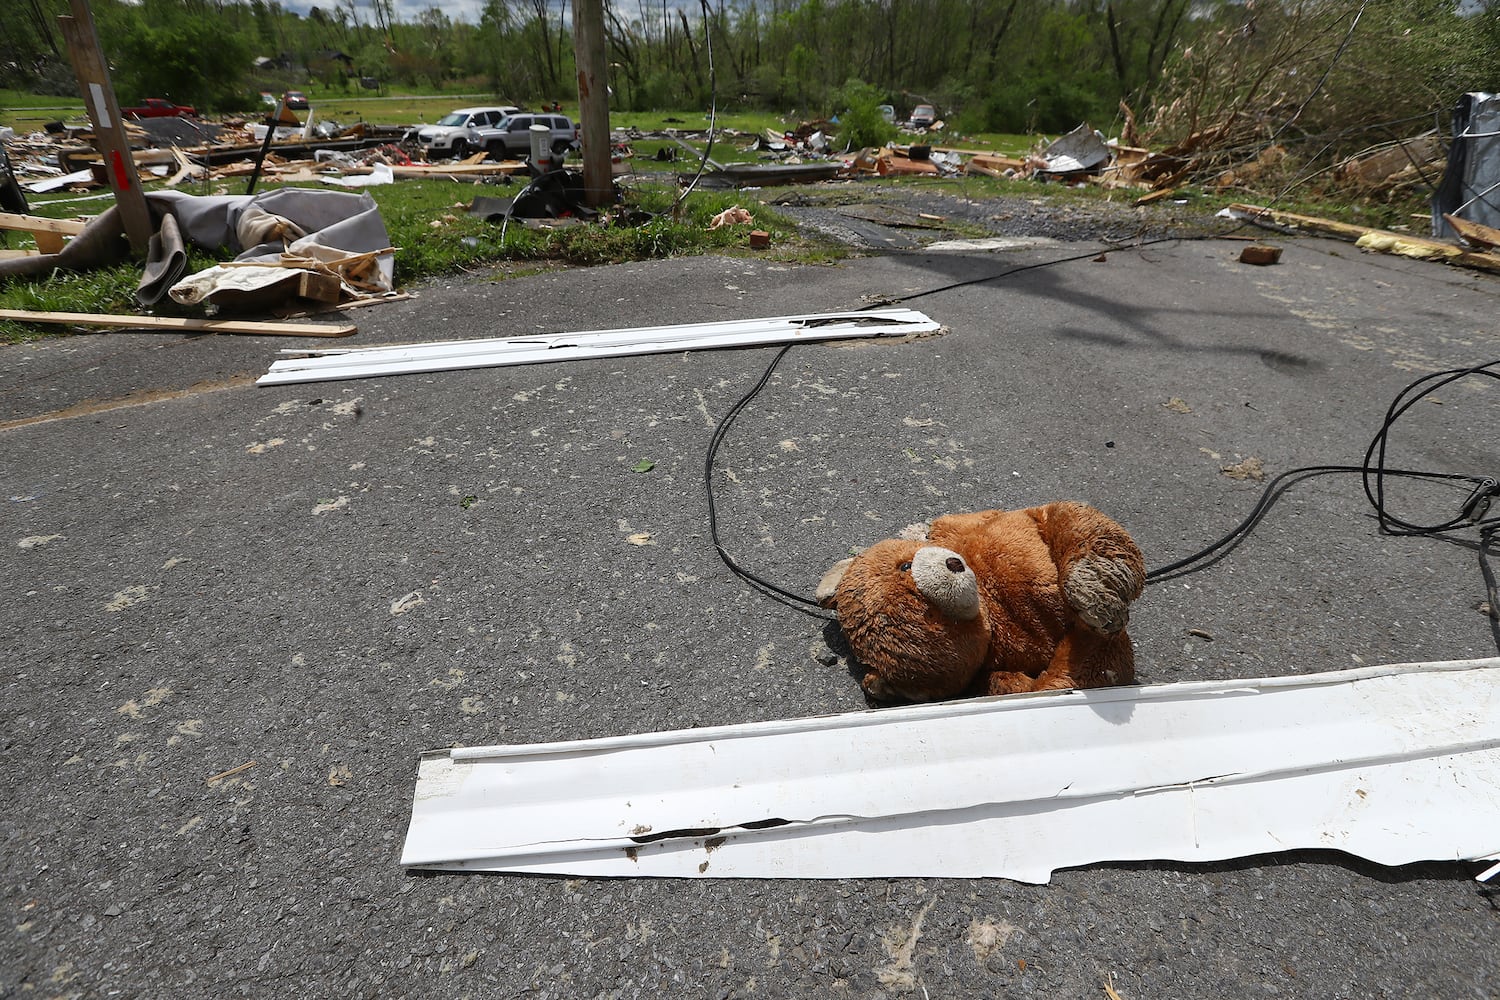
x=1100, y=590
x=876, y=687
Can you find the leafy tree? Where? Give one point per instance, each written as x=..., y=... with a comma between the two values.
x=167, y=48
x=860, y=121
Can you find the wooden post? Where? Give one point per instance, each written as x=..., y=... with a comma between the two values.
x=593, y=101
x=109, y=132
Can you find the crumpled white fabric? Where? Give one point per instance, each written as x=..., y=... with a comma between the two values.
x=202, y=285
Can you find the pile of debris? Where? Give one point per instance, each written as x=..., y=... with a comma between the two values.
x=65, y=157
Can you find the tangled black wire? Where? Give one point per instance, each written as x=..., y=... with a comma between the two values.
x=1471, y=514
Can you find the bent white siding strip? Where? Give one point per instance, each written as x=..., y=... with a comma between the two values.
x=318, y=366
x=1395, y=764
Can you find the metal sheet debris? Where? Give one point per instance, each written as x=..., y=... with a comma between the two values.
x=1395, y=764
x=496, y=352
x=1470, y=188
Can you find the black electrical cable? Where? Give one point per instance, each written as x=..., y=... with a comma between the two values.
x=796, y=600
x=1272, y=492
x=1485, y=486
x=1327, y=71
x=1482, y=489
x=713, y=107
x=1374, y=472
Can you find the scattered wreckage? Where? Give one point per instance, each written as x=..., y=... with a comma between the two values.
x=175, y=150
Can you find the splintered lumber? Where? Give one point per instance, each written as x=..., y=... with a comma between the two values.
x=48, y=233
x=1474, y=233
x=895, y=165
x=463, y=170
x=1382, y=240
x=998, y=164
x=1158, y=195
x=180, y=323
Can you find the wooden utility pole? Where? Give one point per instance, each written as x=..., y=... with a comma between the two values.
x=109, y=131
x=593, y=101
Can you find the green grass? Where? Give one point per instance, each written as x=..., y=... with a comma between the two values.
x=29, y=112
x=428, y=221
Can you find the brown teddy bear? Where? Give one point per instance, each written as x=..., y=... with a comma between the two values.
x=991, y=603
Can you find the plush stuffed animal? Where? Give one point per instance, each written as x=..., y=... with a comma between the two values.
x=991, y=603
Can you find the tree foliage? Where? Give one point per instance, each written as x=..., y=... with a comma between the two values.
x=1253, y=68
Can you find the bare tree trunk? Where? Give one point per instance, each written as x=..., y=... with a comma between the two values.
x=548, y=69
x=1117, y=55
x=625, y=53
x=687, y=33
x=997, y=36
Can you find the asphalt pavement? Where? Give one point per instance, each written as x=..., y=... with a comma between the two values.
x=234, y=616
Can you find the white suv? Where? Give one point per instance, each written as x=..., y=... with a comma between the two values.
x=458, y=132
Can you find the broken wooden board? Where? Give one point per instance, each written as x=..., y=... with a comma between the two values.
x=1395, y=764
x=900, y=166
x=48, y=233
x=187, y=324
x=461, y=171
x=999, y=164
x=1155, y=196
x=1382, y=240
x=1474, y=233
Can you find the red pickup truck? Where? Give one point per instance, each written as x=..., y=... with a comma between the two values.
x=155, y=107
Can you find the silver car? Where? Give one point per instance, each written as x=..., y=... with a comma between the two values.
x=458, y=133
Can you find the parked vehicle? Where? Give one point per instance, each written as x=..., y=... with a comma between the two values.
x=295, y=100
x=922, y=116
x=463, y=131
x=155, y=107
x=512, y=137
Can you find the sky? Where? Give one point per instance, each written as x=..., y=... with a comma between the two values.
x=406, y=10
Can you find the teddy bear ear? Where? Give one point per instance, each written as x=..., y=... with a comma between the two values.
x=830, y=582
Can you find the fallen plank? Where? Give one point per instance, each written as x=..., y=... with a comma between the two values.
x=499, y=352
x=37, y=224
x=1154, y=196
x=48, y=233
x=461, y=170
x=1367, y=237
x=1474, y=233
x=1395, y=764
x=975, y=168
x=180, y=323
x=991, y=161
x=888, y=166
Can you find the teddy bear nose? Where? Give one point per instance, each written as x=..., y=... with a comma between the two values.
x=954, y=564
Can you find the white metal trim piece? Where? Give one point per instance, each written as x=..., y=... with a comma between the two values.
x=328, y=365
x=1395, y=764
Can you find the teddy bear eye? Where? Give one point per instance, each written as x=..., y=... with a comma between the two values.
x=906, y=567
x=954, y=564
